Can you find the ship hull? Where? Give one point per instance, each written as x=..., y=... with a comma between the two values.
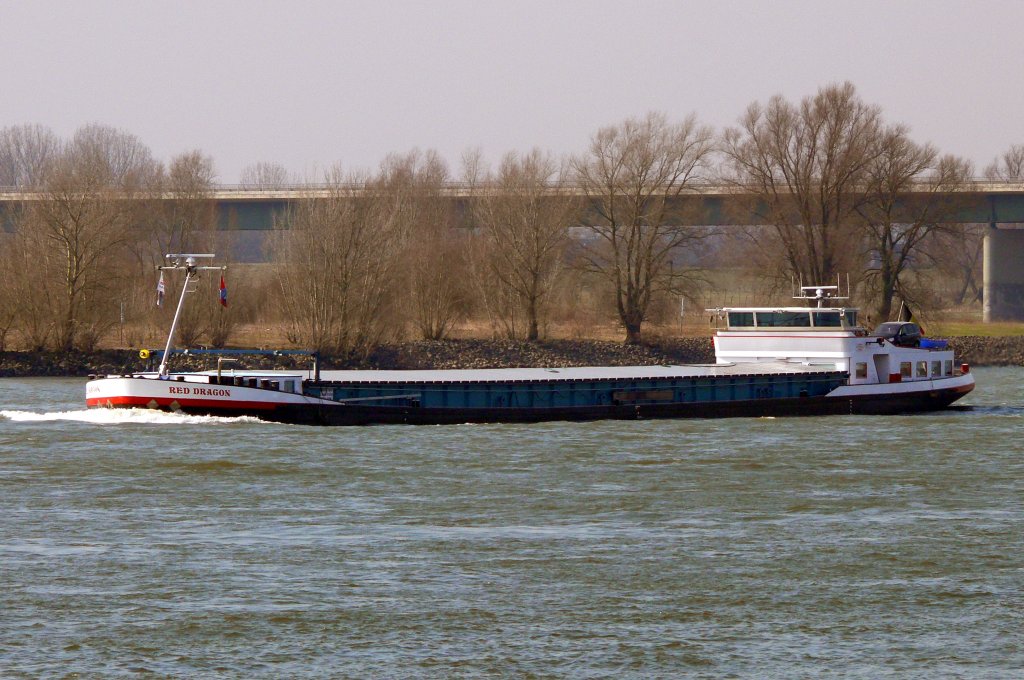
x=760, y=408
x=295, y=409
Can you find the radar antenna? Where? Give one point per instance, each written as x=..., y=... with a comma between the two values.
x=822, y=293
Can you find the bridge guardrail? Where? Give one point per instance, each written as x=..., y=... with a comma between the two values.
x=227, y=191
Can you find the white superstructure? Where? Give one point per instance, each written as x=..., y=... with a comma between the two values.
x=831, y=336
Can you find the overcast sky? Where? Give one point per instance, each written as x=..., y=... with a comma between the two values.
x=309, y=84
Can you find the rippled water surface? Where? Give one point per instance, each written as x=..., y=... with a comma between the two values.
x=134, y=543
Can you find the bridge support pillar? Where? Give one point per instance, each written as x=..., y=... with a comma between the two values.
x=1004, y=275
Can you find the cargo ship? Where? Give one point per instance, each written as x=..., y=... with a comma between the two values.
x=813, y=359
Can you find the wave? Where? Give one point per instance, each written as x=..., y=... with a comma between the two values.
x=122, y=416
x=990, y=410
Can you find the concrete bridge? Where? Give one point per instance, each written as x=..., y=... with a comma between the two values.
x=247, y=215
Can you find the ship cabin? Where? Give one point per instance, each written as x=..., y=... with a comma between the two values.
x=790, y=319
x=828, y=337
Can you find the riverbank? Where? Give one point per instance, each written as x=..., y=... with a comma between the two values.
x=441, y=354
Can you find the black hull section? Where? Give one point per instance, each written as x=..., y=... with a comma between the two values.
x=357, y=414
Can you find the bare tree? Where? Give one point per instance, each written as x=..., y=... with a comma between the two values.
x=26, y=297
x=25, y=153
x=957, y=254
x=80, y=231
x=524, y=221
x=910, y=193
x=338, y=279
x=264, y=175
x=1009, y=167
x=631, y=174
x=180, y=214
x=411, y=185
x=804, y=166
x=114, y=157
x=10, y=302
x=474, y=168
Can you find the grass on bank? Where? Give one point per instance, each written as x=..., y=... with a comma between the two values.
x=999, y=329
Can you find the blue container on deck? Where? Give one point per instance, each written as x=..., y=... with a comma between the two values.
x=928, y=343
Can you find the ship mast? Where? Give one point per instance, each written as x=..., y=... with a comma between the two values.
x=186, y=261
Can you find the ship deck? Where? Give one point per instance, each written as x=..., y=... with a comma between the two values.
x=577, y=373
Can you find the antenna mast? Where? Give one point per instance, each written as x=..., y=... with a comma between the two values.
x=186, y=261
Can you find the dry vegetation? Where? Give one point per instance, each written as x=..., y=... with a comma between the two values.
x=384, y=257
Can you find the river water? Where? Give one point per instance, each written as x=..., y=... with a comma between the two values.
x=142, y=543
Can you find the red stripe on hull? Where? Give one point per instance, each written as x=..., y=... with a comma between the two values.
x=165, y=403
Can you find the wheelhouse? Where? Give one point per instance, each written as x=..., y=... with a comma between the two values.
x=787, y=318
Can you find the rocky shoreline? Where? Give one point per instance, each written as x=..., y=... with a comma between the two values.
x=974, y=350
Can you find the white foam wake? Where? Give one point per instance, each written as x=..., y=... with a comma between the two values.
x=120, y=416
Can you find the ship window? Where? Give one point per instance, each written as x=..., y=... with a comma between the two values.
x=741, y=319
x=947, y=368
x=851, y=317
x=826, y=319
x=906, y=369
x=922, y=369
x=936, y=369
x=784, y=319
x=862, y=370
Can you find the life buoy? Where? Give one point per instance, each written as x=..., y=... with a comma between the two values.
x=143, y=353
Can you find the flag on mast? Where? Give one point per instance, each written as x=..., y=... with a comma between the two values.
x=223, y=292
x=160, y=291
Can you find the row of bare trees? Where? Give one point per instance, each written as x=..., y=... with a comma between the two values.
x=383, y=252
x=840, y=189
x=82, y=249
x=836, y=190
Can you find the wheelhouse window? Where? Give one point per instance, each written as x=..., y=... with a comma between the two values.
x=936, y=369
x=827, y=319
x=922, y=369
x=947, y=367
x=783, y=319
x=861, y=370
x=851, y=317
x=906, y=369
x=741, y=319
